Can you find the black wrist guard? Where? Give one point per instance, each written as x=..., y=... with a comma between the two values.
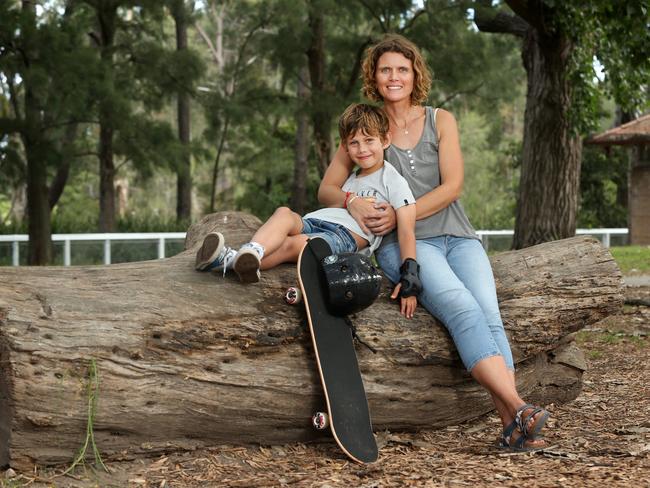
x=410, y=278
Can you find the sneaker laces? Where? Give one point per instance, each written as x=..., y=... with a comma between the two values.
x=258, y=248
x=229, y=255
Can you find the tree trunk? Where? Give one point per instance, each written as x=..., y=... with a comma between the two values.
x=63, y=171
x=106, y=17
x=550, y=171
x=184, y=171
x=38, y=210
x=321, y=116
x=301, y=161
x=188, y=359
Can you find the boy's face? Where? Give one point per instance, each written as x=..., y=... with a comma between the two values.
x=365, y=150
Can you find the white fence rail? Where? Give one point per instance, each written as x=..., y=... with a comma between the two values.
x=67, y=239
x=163, y=237
x=603, y=234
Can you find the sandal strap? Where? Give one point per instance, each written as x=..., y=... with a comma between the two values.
x=506, y=435
x=523, y=423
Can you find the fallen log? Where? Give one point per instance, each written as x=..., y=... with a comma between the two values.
x=188, y=359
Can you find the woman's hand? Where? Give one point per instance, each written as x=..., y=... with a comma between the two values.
x=407, y=304
x=364, y=212
x=385, y=223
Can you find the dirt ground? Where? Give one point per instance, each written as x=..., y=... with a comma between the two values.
x=600, y=439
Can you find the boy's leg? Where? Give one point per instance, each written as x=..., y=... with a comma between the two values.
x=288, y=252
x=283, y=223
x=266, y=241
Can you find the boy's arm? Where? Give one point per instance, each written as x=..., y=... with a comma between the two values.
x=406, y=231
x=409, y=269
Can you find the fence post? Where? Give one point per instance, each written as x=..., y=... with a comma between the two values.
x=66, y=252
x=107, y=251
x=161, y=248
x=15, y=253
x=606, y=239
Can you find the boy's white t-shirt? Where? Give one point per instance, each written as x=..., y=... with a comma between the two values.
x=384, y=185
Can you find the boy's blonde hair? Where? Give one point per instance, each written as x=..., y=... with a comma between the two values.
x=394, y=43
x=361, y=116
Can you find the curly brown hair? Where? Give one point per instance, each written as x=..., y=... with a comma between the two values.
x=394, y=43
x=366, y=118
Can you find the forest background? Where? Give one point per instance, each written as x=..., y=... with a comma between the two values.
x=137, y=116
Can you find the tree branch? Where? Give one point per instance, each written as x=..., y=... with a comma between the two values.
x=410, y=23
x=208, y=41
x=356, y=67
x=14, y=97
x=531, y=11
x=382, y=24
x=458, y=93
x=500, y=22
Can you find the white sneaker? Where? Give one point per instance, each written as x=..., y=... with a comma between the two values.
x=247, y=265
x=213, y=254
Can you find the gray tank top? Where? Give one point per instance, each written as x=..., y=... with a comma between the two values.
x=420, y=167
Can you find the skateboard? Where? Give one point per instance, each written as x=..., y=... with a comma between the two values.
x=348, y=415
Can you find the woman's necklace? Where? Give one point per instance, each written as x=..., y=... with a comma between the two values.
x=406, y=121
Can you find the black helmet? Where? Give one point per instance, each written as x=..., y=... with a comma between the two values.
x=352, y=282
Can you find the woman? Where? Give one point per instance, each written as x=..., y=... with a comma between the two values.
x=458, y=285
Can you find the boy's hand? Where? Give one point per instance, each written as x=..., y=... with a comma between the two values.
x=407, y=304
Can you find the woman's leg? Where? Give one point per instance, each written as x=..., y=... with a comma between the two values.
x=469, y=262
x=447, y=298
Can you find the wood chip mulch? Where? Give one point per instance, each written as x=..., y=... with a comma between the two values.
x=601, y=439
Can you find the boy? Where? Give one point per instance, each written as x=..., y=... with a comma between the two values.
x=364, y=135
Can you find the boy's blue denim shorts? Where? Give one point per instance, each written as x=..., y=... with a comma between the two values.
x=338, y=237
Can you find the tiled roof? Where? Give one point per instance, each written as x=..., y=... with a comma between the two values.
x=632, y=133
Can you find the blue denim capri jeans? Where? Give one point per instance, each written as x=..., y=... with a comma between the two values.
x=459, y=290
x=338, y=237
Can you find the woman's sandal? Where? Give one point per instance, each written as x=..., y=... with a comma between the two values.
x=527, y=432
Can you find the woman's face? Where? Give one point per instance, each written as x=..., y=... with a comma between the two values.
x=394, y=76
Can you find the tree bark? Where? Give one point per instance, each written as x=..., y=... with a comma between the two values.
x=547, y=204
x=301, y=161
x=106, y=18
x=321, y=116
x=36, y=153
x=184, y=170
x=190, y=359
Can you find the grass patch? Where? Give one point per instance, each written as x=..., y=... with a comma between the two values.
x=595, y=354
x=89, y=442
x=632, y=259
x=590, y=341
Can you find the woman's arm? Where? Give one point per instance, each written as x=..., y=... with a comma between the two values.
x=451, y=168
x=329, y=191
x=331, y=195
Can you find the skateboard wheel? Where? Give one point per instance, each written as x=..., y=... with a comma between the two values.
x=293, y=295
x=320, y=421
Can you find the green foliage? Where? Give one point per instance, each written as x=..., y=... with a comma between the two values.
x=248, y=103
x=488, y=171
x=456, y=53
x=617, y=35
x=603, y=188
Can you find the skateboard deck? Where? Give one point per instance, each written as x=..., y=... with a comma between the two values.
x=336, y=358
